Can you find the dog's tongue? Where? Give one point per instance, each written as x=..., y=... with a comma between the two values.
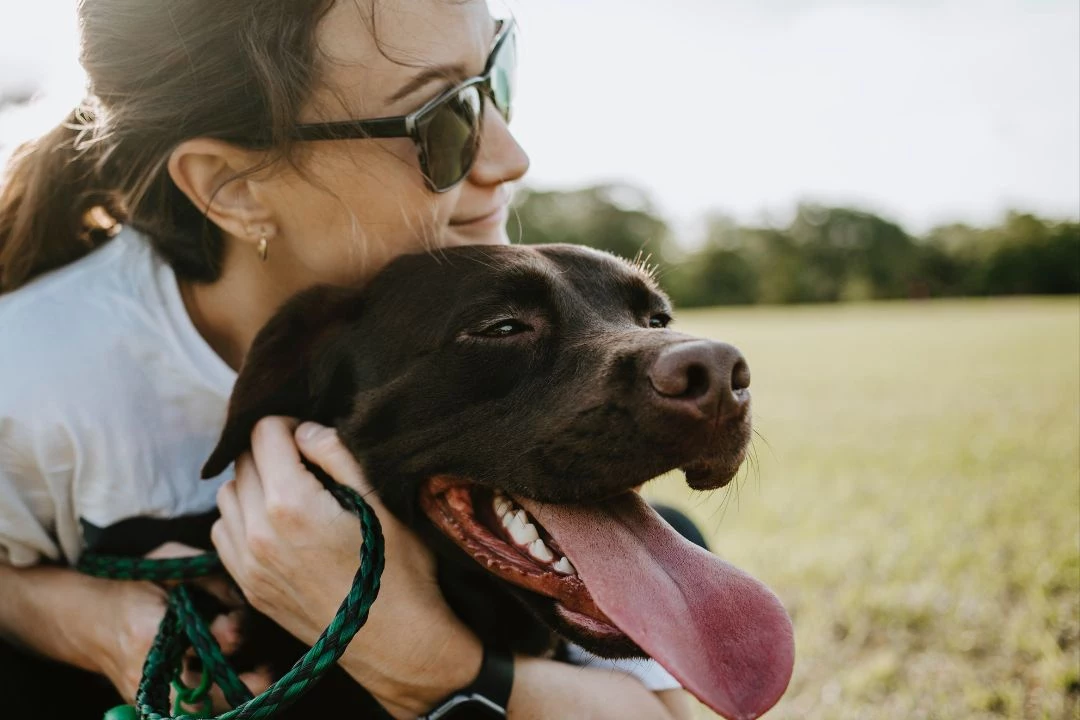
x=721, y=633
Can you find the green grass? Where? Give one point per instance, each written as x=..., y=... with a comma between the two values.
x=914, y=501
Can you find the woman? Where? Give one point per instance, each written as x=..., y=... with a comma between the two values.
x=204, y=134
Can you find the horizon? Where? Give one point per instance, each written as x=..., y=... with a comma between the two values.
x=925, y=113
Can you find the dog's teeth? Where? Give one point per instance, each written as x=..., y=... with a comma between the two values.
x=540, y=551
x=523, y=533
x=501, y=505
x=563, y=566
x=513, y=523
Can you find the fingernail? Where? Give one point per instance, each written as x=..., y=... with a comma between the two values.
x=308, y=430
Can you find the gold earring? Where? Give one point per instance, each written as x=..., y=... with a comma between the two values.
x=263, y=247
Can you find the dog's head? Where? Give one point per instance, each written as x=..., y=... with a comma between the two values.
x=509, y=400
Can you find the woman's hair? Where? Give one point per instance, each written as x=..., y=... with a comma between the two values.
x=160, y=72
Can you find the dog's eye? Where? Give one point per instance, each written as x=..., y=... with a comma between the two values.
x=503, y=328
x=659, y=320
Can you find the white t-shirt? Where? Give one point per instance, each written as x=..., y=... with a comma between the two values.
x=110, y=402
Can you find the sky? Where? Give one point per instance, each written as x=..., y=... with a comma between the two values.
x=927, y=111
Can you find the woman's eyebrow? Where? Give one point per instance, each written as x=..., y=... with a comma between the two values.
x=440, y=72
x=456, y=71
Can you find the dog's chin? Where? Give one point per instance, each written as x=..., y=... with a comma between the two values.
x=599, y=637
x=712, y=474
x=502, y=538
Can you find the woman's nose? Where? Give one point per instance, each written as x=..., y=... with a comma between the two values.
x=500, y=159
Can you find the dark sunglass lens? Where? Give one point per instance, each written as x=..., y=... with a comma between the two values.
x=450, y=136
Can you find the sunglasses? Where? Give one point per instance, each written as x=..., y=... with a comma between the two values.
x=447, y=129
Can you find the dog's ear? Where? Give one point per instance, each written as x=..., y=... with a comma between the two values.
x=292, y=368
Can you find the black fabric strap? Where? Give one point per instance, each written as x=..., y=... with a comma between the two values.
x=488, y=693
x=496, y=677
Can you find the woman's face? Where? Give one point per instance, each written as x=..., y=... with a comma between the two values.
x=353, y=205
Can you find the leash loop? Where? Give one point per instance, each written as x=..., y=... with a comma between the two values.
x=197, y=696
x=182, y=627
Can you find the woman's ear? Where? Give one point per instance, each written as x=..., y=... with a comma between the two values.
x=214, y=175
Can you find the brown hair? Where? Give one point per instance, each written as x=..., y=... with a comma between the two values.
x=160, y=72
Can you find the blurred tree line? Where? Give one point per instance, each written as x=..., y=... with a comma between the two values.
x=826, y=254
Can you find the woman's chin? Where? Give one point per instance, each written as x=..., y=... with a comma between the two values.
x=475, y=234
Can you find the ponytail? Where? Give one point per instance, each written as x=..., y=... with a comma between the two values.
x=158, y=73
x=54, y=204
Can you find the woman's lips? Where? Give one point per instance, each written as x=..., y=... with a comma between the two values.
x=492, y=218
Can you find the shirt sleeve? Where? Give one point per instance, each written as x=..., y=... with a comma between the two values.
x=27, y=509
x=646, y=670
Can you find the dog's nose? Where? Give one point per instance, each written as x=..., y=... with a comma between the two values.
x=703, y=376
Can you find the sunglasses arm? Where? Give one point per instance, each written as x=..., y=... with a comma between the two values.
x=391, y=127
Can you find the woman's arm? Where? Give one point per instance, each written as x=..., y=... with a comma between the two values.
x=547, y=689
x=293, y=551
x=104, y=626
x=542, y=689
x=411, y=684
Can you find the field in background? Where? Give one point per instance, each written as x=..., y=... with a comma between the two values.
x=915, y=502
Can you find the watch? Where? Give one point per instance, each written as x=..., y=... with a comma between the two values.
x=485, y=697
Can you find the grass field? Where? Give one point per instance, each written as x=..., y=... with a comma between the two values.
x=915, y=503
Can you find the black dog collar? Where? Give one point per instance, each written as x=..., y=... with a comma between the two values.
x=486, y=697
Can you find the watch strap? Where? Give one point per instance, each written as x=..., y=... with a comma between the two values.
x=491, y=688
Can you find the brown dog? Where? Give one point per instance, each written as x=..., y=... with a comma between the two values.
x=504, y=401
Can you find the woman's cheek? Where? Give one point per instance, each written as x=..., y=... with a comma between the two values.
x=352, y=228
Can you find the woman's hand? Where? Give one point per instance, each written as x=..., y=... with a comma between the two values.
x=134, y=611
x=294, y=550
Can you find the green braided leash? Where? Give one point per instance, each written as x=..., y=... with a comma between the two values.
x=182, y=628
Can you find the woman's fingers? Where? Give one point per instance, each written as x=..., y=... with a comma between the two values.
x=242, y=505
x=226, y=630
x=217, y=585
x=322, y=446
x=282, y=475
x=222, y=588
x=258, y=681
x=228, y=549
x=248, y=487
x=228, y=498
x=173, y=550
x=228, y=533
x=251, y=499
